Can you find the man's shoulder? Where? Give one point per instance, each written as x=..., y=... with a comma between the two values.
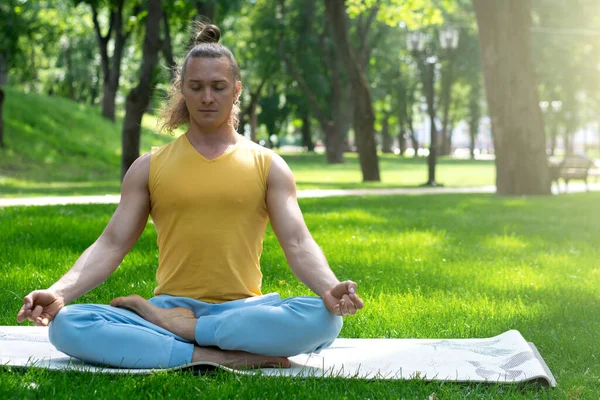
x=255, y=147
x=162, y=148
x=261, y=154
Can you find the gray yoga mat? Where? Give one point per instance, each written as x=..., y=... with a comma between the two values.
x=506, y=358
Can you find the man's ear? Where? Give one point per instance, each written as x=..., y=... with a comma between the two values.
x=238, y=91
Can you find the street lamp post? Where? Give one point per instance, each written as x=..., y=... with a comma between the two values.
x=415, y=43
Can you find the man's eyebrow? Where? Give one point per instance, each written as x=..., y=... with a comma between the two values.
x=201, y=81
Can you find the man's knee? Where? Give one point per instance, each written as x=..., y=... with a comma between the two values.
x=324, y=325
x=328, y=323
x=65, y=329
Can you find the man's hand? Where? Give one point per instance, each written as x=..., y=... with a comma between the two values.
x=40, y=306
x=342, y=299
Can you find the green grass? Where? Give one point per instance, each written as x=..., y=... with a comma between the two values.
x=438, y=266
x=55, y=146
x=58, y=147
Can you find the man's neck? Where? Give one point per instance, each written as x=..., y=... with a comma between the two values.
x=222, y=135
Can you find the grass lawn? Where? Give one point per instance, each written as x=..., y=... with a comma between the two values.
x=58, y=147
x=438, y=266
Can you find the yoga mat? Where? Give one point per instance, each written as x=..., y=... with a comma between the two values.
x=506, y=358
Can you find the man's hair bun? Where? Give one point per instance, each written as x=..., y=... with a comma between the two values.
x=207, y=33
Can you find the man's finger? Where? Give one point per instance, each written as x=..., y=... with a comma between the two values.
x=357, y=301
x=345, y=305
x=21, y=315
x=336, y=309
x=343, y=309
x=27, y=302
x=350, y=308
x=351, y=287
x=37, y=311
x=343, y=288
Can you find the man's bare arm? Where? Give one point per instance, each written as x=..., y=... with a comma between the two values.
x=303, y=254
x=100, y=260
x=103, y=257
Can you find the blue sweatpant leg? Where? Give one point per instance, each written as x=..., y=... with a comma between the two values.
x=106, y=335
x=267, y=325
x=274, y=328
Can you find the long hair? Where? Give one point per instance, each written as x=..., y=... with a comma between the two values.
x=205, y=44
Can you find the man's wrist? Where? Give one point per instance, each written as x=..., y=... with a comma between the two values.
x=58, y=293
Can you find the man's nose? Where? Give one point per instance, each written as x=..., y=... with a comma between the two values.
x=207, y=96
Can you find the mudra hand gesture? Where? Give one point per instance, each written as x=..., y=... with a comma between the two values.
x=342, y=299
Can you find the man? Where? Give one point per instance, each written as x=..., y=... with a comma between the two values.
x=210, y=193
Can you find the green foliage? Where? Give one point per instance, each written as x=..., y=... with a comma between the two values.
x=427, y=266
x=414, y=14
x=22, y=21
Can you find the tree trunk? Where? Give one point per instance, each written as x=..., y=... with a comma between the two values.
x=1, y=118
x=253, y=119
x=345, y=116
x=95, y=88
x=251, y=110
x=334, y=144
x=110, y=73
x=139, y=97
x=386, y=138
x=307, y=132
x=334, y=136
x=517, y=125
x=447, y=146
x=402, y=138
x=330, y=128
x=167, y=48
x=3, y=68
x=473, y=137
x=364, y=117
x=413, y=135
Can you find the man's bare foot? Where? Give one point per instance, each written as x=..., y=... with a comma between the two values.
x=180, y=320
x=238, y=359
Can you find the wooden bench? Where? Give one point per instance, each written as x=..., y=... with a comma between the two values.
x=572, y=167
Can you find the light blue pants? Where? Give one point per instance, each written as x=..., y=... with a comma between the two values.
x=267, y=325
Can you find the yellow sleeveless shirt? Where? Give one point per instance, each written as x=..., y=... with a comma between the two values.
x=210, y=218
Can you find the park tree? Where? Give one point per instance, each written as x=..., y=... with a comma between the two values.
x=511, y=91
x=19, y=20
x=317, y=70
x=122, y=17
x=274, y=112
x=364, y=115
x=255, y=45
x=139, y=97
x=1, y=119
x=388, y=78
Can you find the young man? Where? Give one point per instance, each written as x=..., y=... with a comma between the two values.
x=210, y=194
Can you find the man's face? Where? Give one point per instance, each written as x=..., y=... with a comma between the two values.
x=209, y=91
